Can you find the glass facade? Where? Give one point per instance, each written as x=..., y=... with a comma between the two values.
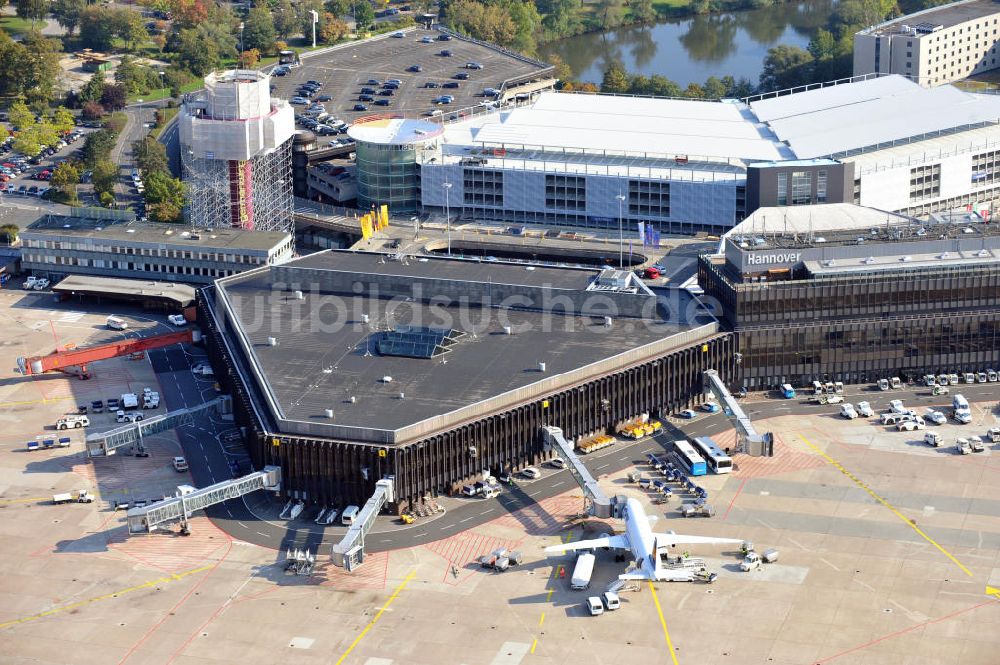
x=388, y=174
x=857, y=328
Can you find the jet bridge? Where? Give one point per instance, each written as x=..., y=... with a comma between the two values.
x=600, y=505
x=179, y=508
x=100, y=444
x=747, y=439
x=349, y=553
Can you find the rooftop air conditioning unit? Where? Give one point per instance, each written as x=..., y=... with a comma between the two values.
x=272, y=341
x=329, y=413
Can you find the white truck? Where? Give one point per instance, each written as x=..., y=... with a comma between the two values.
x=150, y=399
x=76, y=496
x=75, y=421
x=582, y=572
x=130, y=401
x=960, y=409
x=933, y=439
x=752, y=560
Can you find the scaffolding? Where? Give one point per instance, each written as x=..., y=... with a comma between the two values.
x=236, y=150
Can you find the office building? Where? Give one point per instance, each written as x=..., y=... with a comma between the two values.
x=934, y=46
x=236, y=149
x=58, y=245
x=347, y=366
x=852, y=294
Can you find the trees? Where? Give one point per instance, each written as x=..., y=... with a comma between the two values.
x=130, y=27
x=610, y=13
x=563, y=18
x=64, y=180
x=8, y=233
x=63, y=120
x=643, y=11
x=786, y=67
x=331, y=28
x=29, y=68
x=164, y=196
x=105, y=176
x=364, y=15
x=114, y=97
x=615, y=78
x=93, y=89
x=67, y=13
x=258, y=30
x=337, y=7
x=32, y=10
x=150, y=155
x=201, y=49
x=97, y=147
x=96, y=28
x=93, y=111
x=188, y=13
x=285, y=21
x=20, y=115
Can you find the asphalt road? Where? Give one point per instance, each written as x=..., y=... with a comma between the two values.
x=252, y=518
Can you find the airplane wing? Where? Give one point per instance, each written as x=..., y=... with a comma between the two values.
x=672, y=539
x=618, y=542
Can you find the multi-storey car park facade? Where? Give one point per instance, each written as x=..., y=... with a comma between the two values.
x=60, y=245
x=934, y=46
x=854, y=294
x=687, y=165
x=345, y=367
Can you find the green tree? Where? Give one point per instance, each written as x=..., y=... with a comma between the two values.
x=643, y=11
x=106, y=199
x=136, y=79
x=68, y=12
x=96, y=28
x=130, y=27
x=364, y=15
x=27, y=142
x=63, y=120
x=563, y=18
x=105, y=177
x=32, y=69
x=258, y=30
x=150, y=155
x=8, y=233
x=20, y=116
x=527, y=23
x=64, y=181
x=786, y=67
x=713, y=88
x=97, y=147
x=615, y=78
x=32, y=10
x=610, y=13
x=286, y=23
x=331, y=29
x=93, y=88
x=562, y=70
x=202, y=49
x=165, y=196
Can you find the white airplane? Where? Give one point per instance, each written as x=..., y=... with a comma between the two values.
x=644, y=544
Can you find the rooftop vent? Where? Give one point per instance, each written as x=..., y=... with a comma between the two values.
x=353, y=400
x=365, y=318
x=944, y=255
x=983, y=253
x=541, y=367
x=868, y=261
x=830, y=263
x=299, y=295
x=328, y=413
x=402, y=395
x=607, y=321
x=272, y=341
x=507, y=330
x=416, y=341
x=906, y=258
x=386, y=379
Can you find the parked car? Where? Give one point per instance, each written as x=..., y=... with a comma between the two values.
x=473, y=65
x=445, y=53
x=414, y=68
x=382, y=102
x=531, y=473
x=688, y=414
x=324, y=98
x=450, y=84
x=360, y=107
x=936, y=417
x=177, y=319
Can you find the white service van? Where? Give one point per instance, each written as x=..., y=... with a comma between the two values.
x=115, y=323
x=350, y=514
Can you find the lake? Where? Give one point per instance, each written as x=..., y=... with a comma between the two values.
x=692, y=49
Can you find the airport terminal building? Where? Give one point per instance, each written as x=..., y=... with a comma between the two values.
x=345, y=367
x=845, y=293
x=688, y=165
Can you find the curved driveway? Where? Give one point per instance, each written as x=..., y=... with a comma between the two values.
x=254, y=519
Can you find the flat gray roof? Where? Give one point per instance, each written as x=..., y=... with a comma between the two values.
x=325, y=355
x=182, y=295
x=148, y=232
x=465, y=270
x=945, y=16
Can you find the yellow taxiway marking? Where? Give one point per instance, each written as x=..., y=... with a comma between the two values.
x=28, y=402
x=534, y=644
x=392, y=598
x=541, y=620
x=857, y=481
x=139, y=587
x=663, y=622
x=993, y=591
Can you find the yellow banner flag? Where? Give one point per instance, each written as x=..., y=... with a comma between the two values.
x=384, y=221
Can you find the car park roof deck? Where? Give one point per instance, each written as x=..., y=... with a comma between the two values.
x=345, y=70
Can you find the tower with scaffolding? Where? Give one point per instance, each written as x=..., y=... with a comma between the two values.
x=236, y=151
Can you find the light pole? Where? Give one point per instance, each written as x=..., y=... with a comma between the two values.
x=447, y=212
x=241, y=44
x=621, y=233
x=161, y=81
x=315, y=20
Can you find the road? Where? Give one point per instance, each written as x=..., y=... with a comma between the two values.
x=138, y=116
x=253, y=519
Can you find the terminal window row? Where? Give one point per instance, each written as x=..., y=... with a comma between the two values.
x=124, y=265
x=143, y=251
x=482, y=187
x=564, y=192
x=986, y=167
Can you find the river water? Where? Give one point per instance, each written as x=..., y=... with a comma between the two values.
x=690, y=50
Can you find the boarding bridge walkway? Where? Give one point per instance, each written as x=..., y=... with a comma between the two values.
x=747, y=439
x=180, y=507
x=600, y=505
x=349, y=553
x=101, y=444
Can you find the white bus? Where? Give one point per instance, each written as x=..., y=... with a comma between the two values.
x=717, y=460
x=690, y=459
